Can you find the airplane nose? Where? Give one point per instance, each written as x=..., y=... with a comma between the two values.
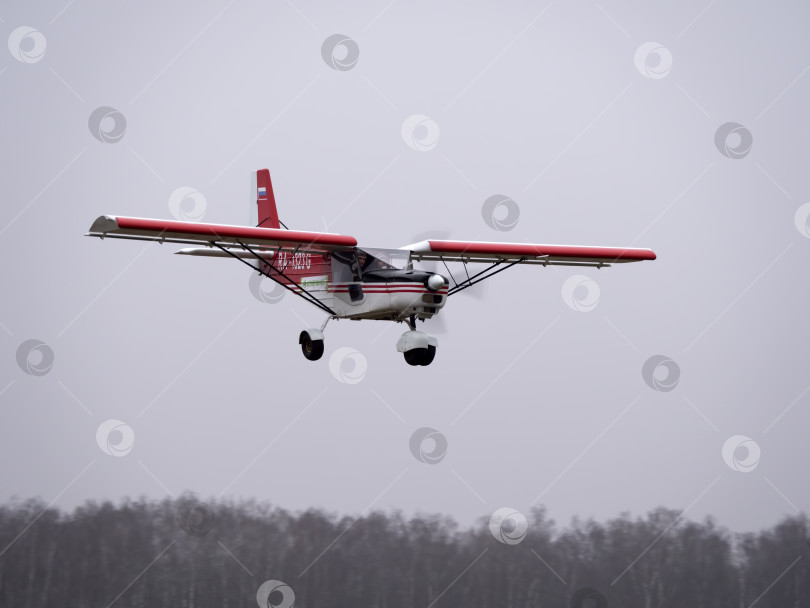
x=435, y=282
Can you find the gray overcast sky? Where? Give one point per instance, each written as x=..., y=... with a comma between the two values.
x=599, y=138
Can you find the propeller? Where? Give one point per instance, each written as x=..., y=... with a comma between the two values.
x=437, y=324
x=477, y=291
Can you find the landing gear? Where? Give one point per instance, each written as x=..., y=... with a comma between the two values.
x=417, y=347
x=312, y=349
x=420, y=356
x=415, y=356
x=431, y=353
x=311, y=341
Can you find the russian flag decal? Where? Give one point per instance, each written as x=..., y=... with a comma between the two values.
x=262, y=191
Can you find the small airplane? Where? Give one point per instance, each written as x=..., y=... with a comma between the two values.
x=348, y=282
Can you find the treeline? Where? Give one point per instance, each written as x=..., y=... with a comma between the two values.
x=183, y=553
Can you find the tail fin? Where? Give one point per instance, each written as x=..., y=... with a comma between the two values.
x=265, y=214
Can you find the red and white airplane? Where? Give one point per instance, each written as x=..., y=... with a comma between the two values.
x=348, y=282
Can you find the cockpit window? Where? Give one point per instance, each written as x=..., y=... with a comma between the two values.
x=382, y=259
x=350, y=266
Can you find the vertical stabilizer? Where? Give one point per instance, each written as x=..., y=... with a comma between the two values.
x=267, y=214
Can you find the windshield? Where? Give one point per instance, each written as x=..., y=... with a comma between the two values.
x=382, y=259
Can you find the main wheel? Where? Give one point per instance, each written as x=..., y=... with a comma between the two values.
x=427, y=358
x=312, y=349
x=415, y=356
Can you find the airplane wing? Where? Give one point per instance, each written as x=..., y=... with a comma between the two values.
x=241, y=242
x=500, y=256
x=220, y=236
x=526, y=253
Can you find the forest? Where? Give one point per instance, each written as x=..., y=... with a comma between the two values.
x=187, y=553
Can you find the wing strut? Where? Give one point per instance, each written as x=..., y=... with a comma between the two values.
x=303, y=293
x=484, y=274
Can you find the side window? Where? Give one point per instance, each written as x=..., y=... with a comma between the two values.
x=342, y=267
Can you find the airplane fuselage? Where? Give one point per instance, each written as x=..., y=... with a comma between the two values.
x=360, y=286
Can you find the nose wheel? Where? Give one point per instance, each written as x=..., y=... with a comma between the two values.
x=417, y=347
x=420, y=356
